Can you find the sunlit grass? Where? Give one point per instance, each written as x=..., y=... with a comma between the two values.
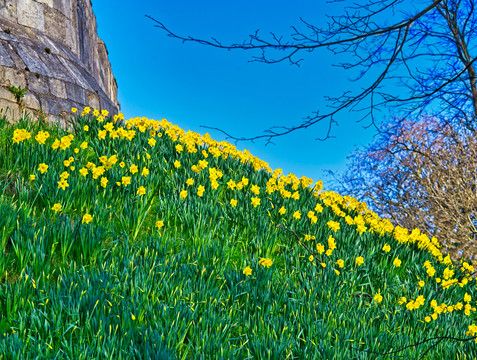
x=143, y=241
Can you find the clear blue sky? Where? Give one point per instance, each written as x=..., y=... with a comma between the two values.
x=193, y=85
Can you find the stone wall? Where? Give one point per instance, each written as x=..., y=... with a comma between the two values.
x=51, y=48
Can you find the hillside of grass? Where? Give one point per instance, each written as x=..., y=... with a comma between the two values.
x=139, y=240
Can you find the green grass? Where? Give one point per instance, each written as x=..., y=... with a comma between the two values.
x=216, y=281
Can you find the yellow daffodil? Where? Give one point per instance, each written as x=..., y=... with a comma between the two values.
x=200, y=190
x=431, y=271
x=255, y=189
x=41, y=137
x=86, y=219
x=333, y=225
x=56, y=144
x=318, y=208
x=320, y=248
x=63, y=184
x=102, y=134
x=231, y=184
x=378, y=297
x=126, y=180
x=108, y=126
x=183, y=194
x=266, y=262
x=133, y=169
x=467, y=298
x=43, y=168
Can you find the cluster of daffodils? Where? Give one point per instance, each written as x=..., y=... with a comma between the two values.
x=439, y=309
x=412, y=304
x=20, y=135
x=265, y=262
x=289, y=189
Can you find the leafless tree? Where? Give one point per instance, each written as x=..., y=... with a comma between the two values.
x=422, y=174
x=427, y=51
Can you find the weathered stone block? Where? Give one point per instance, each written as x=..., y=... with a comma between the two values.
x=49, y=43
x=5, y=59
x=55, y=67
x=18, y=62
x=8, y=10
x=106, y=104
x=74, y=73
x=71, y=40
x=14, y=77
x=46, y=2
x=30, y=13
x=93, y=100
x=5, y=94
x=93, y=84
x=58, y=88
x=32, y=60
x=75, y=93
x=55, y=25
x=64, y=6
x=31, y=101
x=38, y=84
x=51, y=106
x=66, y=106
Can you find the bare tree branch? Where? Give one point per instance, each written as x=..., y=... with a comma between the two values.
x=439, y=33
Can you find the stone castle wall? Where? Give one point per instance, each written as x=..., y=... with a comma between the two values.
x=51, y=48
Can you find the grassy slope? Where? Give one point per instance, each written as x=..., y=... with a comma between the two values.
x=120, y=287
